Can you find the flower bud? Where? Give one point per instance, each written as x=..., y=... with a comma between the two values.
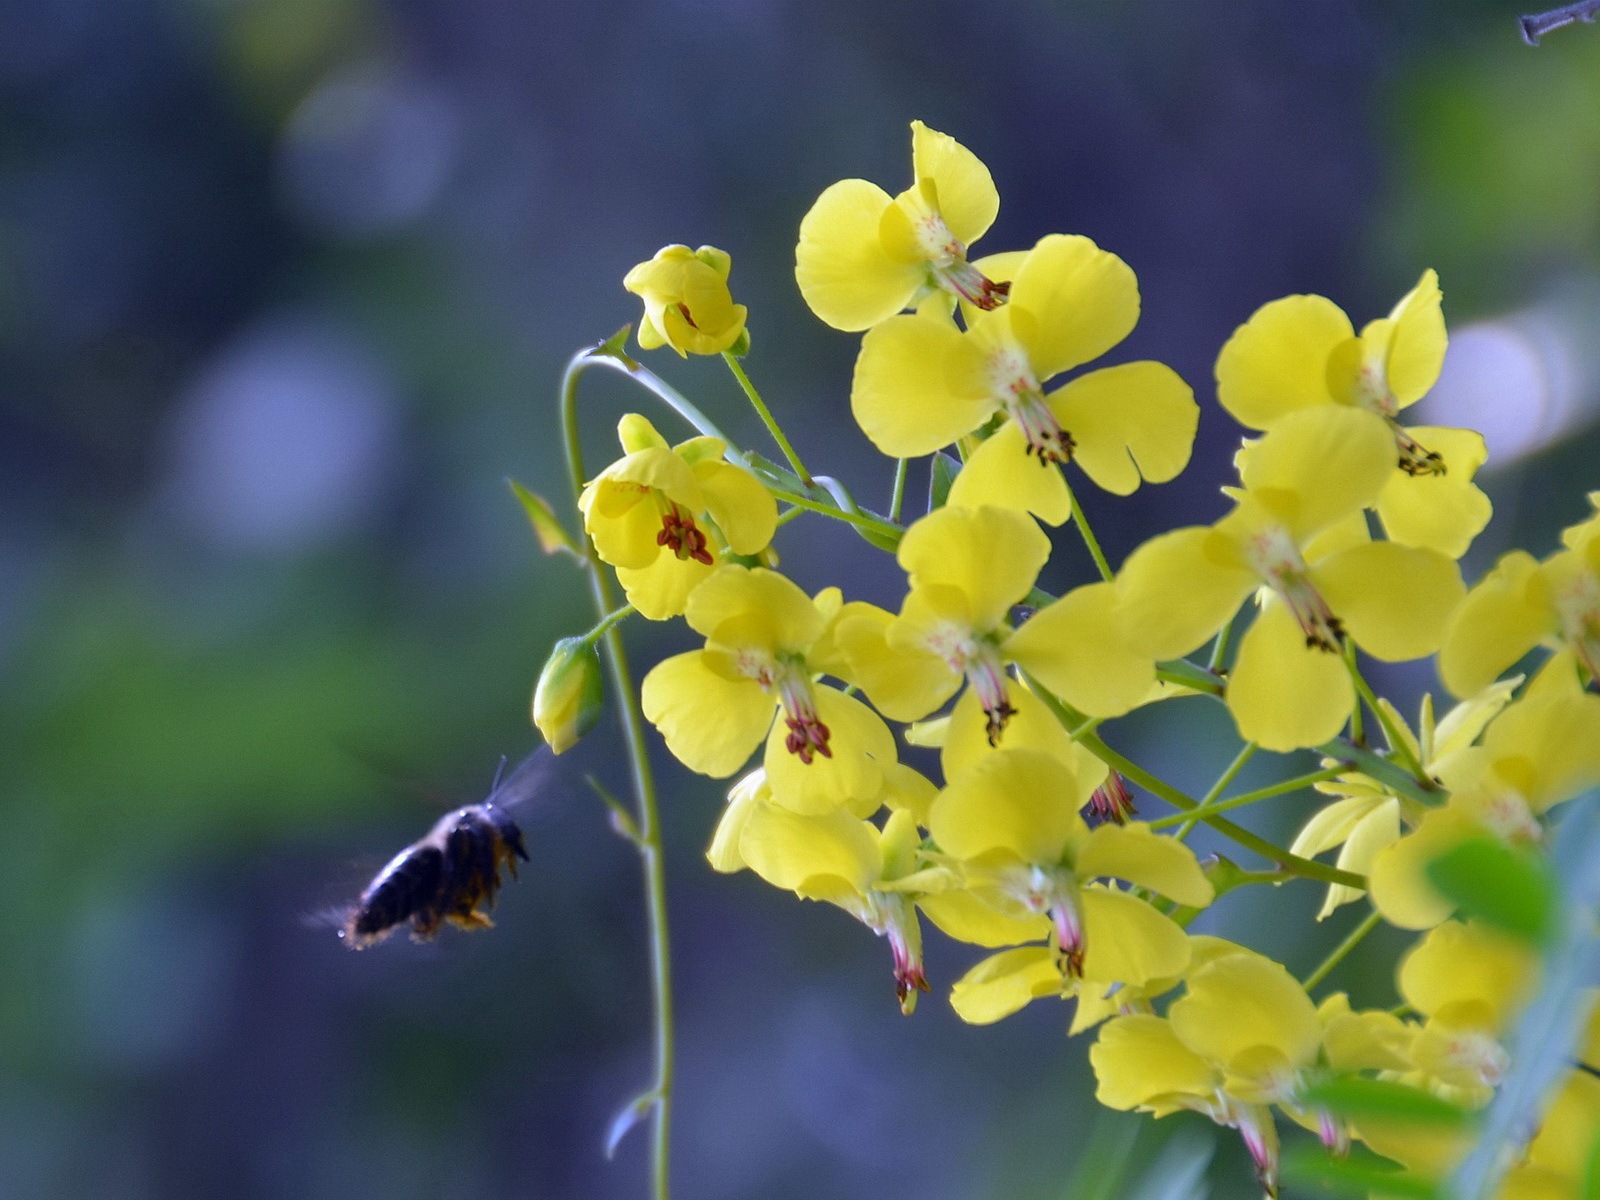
x=687, y=304
x=570, y=694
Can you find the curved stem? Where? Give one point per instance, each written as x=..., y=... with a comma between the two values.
x=1397, y=741
x=1244, y=798
x=607, y=622
x=1208, y=801
x=767, y=418
x=648, y=821
x=901, y=469
x=1342, y=950
x=1089, y=539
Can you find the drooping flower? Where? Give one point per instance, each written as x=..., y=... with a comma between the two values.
x=664, y=517
x=714, y=706
x=1522, y=603
x=967, y=569
x=922, y=383
x=1297, y=532
x=864, y=255
x=1302, y=351
x=687, y=304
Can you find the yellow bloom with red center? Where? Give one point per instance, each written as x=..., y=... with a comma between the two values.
x=687, y=304
x=665, y=516
x=874, y=875
x=967, y=568
x=1010, y=824
x=715, y=706
x=1540, y=752
x=1296, y=531
x=1301, y=352
x=1366, y=815
x=922, y=383
x=1522, y=603
x=865, y=255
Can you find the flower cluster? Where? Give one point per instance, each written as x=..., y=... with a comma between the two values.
x=1337, y=543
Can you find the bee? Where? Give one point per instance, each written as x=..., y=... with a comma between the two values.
x=452, y=873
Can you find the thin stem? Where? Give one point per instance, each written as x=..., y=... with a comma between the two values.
x=1089, y=539
x=1183, y=673
x=901, y=469
x=1358, y=732
x=648, y=820
x=860, y=519
x=1382, y=770
x=1342, y=950
x=1253, y=797
x=767, y=419
x=1397, y=741
x=1219, y=648
x=1246, y=753
x=1536, y=26
x=608, y=622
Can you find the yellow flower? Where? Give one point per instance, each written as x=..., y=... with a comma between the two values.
x=1301, y=352
x=666, y=516
x=875, y=876
x=1366, y=816
x=967, y=568
x=1523, y=602
x=714, y=706
x=570, y=694
x=1011, y=822
x=687, y=304
x=921, y=383
x=1297, y=528
x=864, y=255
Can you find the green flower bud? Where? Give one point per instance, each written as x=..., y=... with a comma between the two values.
x=570, y=695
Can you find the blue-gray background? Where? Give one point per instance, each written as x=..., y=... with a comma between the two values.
x=285, y=289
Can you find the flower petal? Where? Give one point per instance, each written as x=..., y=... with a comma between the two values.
x=992, y=555
x=841, y=267
x=1438, y=512
x=1505, y=615
x=968, y=201
x=919, y=385
x=709, y=722
x=1139, y=1060
x=1125, y=940
x=1320, y=464
x=1032, y=727
x=1020, y=802
x=769, y=610
x=1004, y=983
x=1285, y=695
x=815, y=856
x=743, y=509
x=1001, y=473
x=1241, y=1004
x=852, y=775
x=1393, y=600
x=661, y=591
x=1178, y=589
x=1132, y=422
x=903, y=684
x=1075, y=647
x=1276, y=362
x=964, y=916
x=1134, y=853
x=1398, y=879
x=1417, y=341
x=1071, y=302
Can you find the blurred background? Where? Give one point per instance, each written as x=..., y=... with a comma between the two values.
x=285, y=290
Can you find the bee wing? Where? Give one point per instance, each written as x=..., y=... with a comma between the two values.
x=525, y=781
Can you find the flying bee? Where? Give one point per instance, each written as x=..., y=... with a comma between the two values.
x=453, y=872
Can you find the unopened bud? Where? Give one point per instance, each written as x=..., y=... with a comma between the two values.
x=570, y=693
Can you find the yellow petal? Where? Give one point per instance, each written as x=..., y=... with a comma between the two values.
x=1285, y=695
x=1031, y=727
x=1398, y=879
x=906, y=789
x=1417, y=342
x=1138, y=1059
x=1001, y=473
x=1071, y=302
x=1003, y=983
x=1131, y=423
x=1075, y=647
x=1018, y=802
x=842, y=269
x=1241, y=1005
x=723, y=853
x=1457, y=964
x=661, y=591
x=1127, y=941
x=1547, y=746
x=993, y=555
x=919, y=385
x=815, y=856
x=770, y=612
x=968, y=201
x=1504, y=616
x=861, y=746
x=709, y=722
x=1438, y=512
x=1132, y=852
x=966, y=917
x=1318, y=465
x=1178, y=589
x=902, y=683
x=1276, y=362
x=743, y=509
x=1393, y=600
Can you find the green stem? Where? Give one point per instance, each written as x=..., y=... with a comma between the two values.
x=767, y=418
x=1358, y=730
x=1183, y=673
x=902, y=468
x=648, y=821
x=608, y=622
x=1397, y=742
x=1342, y=950
x=858, y=518
x=1244, y=798
x=1246, y=753
x=1089, y=539
x=1219, y=648
x=1382, y=770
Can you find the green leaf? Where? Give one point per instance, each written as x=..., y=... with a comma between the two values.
x=945, y=470
x=1500, y=886
x=553, y=536
x=1361, y=1173
x=1363, y=1099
